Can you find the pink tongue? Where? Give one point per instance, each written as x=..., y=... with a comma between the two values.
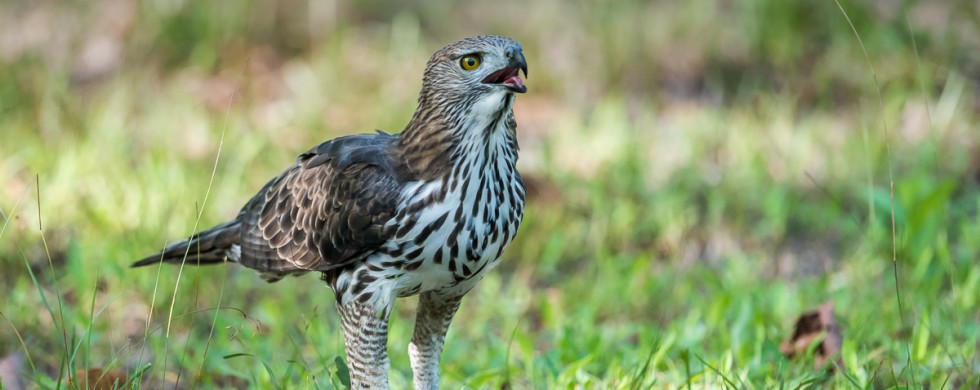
x=514, y=80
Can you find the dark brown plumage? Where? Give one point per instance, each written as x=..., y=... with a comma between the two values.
x=346, y=183
x=428, y=211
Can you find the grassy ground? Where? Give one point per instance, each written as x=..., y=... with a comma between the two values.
x=700, y=174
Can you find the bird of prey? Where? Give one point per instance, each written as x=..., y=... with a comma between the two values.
x=427, y=211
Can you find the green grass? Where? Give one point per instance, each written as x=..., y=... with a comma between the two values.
x=702, y=173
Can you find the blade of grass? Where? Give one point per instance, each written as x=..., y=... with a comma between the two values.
x=149, y=314
x=130, y=346
x=954, y=287
x=88, y=333
x=131, y=382
x=846, y=375
x=639, y=377
x=207, y=344
x=874, y=375
x=6, y=221
x=197, y=299
x=272, y=375
x=305, y=333
x=47, y=306
x=729, y=382
x=510, y=343
x=200, y=214
x=686, y=356
x=57, y=291
x=891, y=183
x=945, y=382
x=806, y=382
x=88, y=327
x=27, y=351
x=343, y=374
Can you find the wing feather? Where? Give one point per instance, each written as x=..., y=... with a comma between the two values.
x=328, y=210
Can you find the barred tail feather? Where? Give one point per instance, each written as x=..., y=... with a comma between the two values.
x=211, y=246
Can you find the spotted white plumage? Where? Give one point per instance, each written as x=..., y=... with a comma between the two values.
x=428, y=211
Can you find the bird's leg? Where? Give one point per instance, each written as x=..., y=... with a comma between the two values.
x=366, y=342
x=431, y=322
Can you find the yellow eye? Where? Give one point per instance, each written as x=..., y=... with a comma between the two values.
x=469, y=62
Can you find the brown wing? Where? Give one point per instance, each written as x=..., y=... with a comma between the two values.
x=326, y=211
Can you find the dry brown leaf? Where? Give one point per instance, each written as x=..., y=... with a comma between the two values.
x=98, y=379
x=819, y=325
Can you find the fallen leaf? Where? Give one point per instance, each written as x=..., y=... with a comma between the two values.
x=98, y=379
x=813, y=326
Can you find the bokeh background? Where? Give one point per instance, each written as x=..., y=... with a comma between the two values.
x=700, y=173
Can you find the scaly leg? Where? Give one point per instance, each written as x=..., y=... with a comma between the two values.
x=431, y=322
x=366, y=341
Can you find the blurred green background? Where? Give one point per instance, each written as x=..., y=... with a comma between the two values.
x=700, y=173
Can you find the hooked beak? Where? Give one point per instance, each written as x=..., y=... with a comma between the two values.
x=509, y=75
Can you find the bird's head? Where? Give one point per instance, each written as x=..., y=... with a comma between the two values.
x=467, y=87
x=475, y=67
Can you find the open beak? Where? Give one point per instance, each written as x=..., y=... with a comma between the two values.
x=509, y=76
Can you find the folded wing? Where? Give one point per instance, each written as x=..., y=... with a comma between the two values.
x=328, y=210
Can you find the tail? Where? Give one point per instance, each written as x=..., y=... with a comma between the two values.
x=211, y=246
